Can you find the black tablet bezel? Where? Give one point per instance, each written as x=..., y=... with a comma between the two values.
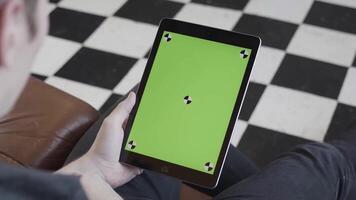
x=199, y=31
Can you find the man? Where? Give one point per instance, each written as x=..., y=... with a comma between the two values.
x=309, y=172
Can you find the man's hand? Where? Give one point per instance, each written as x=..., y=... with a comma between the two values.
x=103, y=157
x=105, y=152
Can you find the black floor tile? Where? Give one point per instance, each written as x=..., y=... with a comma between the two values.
x=253, y=95
x=149, y=11
x=147, y=54
x=73, y=25
x=342, y=123
x=332, y=16
x=96, y=68
x=310, y=76
x=234, y=4
x=112, y=101
x=263, y=145
x=54, y=1
x=273, y=33
x=40, y=77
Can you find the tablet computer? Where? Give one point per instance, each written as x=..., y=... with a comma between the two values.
x=188, y=101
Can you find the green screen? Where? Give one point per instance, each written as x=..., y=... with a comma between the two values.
x=188, y=100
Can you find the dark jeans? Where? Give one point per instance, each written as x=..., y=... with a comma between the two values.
x=314, y=171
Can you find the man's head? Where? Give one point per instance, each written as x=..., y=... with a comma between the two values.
x=23, y=25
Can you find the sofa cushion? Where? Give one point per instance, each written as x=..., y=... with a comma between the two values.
x=43, y=126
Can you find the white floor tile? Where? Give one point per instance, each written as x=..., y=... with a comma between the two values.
x=99, y=7
x=293, y=112
x=348, y=91
x=346, y=3
x=238, y=131
x=94, y=96
x=266, y=64
x=123, y=36
x=50, y=7
x=324, y=44
x=209, y=16
x=132, y=77
x=54, y=53
x=292, y=10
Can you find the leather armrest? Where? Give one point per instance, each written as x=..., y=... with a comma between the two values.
x=43, y=127
x=6, y=159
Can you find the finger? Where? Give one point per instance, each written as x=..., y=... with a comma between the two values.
x=136, y=170
x=122, y=111
x=124, y=124
x=129, y=172
x=133, y=170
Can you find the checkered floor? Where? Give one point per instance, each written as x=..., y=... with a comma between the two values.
x=303, y=86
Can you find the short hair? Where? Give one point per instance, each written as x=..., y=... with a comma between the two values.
x=30, y=8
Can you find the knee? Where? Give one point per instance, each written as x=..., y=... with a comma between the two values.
x=325, y=157
x=319, y=152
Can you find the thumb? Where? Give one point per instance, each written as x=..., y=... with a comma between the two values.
x=122, y=111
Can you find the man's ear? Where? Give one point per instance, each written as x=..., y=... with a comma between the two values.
x=10, y=16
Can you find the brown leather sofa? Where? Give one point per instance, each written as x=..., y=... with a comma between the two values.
x=44, y=126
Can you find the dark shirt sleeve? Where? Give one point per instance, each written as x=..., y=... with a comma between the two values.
x=20, y=183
